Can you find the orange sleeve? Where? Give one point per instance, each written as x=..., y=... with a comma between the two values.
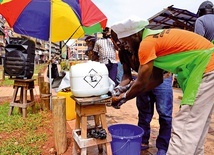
x=146, y=52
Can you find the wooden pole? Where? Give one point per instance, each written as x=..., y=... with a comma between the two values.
x=59, y=120
x=45, y=95
x=3, y=73
x=44, y=89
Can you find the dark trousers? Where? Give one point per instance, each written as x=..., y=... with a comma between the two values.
x=112, y=71
x=163, y=97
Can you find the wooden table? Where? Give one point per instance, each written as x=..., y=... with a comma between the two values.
x=96, y=107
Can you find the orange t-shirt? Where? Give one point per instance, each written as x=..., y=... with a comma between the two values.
x=172, y=41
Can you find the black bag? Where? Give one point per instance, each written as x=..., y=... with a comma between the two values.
x=57, y=81
x=54, y=71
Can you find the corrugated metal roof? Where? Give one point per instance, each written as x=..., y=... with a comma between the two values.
x=173, y=18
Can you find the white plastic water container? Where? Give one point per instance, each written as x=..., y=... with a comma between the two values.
x=89, y=79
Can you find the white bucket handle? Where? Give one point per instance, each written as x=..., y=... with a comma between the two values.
x=122, y=146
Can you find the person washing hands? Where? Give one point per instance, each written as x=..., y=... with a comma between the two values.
x=180, y=52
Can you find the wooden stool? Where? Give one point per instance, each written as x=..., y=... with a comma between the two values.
x=85, y=107
x=23, y=102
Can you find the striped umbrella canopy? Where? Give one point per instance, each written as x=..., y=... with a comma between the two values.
x=53, y=20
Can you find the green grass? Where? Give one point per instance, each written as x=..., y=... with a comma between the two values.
x=6, y=82
x=22, y=136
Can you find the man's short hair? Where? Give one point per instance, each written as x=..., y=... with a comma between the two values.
x=90, y=38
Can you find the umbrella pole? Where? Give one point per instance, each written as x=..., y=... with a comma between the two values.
x=49, y=67
x=50, y=62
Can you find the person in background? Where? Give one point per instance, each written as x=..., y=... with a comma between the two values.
x=107, y=53
x=119, y=69
x=90, y=41
x=181, y=52
x=54, y=69
x=204, y=24
x=161, y=96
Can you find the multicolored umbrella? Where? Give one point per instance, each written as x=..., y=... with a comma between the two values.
x=53, y=20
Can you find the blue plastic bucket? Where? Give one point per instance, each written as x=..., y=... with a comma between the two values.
x=126, y=139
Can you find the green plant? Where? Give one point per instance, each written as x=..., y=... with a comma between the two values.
x=65, y=65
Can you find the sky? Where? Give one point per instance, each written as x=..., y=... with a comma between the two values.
x=117, y=10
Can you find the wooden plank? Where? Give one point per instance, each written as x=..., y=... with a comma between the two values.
x=22, y=105
x=90, y=110
x=84, y=127
x=92, y=100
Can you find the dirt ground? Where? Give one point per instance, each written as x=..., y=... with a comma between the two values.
x=127, y=114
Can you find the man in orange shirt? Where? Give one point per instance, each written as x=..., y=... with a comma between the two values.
x=159, y=99
x=181, y=52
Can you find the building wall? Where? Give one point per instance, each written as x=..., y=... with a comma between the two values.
x=77, y=50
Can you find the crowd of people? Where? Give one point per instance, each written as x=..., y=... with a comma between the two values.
x=157, y=55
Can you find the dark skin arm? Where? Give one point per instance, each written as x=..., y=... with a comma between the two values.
x=148, y=78
x=127, y=77
x=156, y=79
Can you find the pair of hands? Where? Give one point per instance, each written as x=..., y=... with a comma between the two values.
x=119, y=96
